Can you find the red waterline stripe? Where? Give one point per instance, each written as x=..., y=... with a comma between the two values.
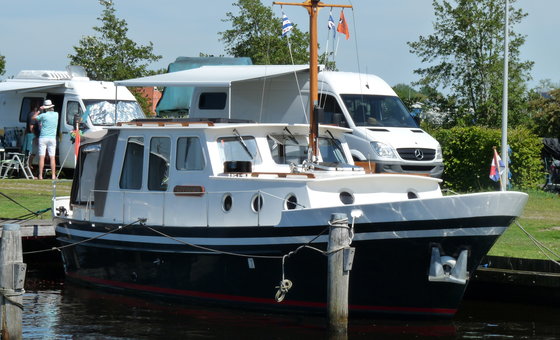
x=245, y=299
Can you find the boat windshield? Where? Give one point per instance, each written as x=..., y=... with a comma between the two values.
x=287, y=148
x=102, y=112
x=239, y=148
x=370, y=110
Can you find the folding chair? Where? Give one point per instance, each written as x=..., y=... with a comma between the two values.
x=15, y=161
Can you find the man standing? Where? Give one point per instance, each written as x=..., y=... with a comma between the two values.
x=47, y=138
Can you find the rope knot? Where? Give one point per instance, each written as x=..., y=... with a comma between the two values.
x=283, y=289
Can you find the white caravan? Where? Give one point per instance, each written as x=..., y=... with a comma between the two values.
x=74, y=95
x=384, y=137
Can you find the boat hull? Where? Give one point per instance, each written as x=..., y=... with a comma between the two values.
x=390, y=273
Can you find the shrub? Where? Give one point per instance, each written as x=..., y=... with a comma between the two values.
x=468, y=152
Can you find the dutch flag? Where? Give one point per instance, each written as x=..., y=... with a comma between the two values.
x=495, y=173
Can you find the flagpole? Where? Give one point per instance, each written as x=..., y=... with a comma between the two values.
x=505, y=155
x=312, y=7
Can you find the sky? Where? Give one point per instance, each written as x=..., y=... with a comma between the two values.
x=39, y=34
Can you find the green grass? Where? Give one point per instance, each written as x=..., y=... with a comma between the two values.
x=541, y=217
x=33, y=195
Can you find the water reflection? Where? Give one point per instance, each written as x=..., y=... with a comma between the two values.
x=57, y=311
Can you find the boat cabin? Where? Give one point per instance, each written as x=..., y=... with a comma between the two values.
x=177, y=172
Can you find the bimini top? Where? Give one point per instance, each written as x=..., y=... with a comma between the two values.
x=214, y=76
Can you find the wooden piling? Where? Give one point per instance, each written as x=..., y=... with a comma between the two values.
x=12, y=279
x=338, y=275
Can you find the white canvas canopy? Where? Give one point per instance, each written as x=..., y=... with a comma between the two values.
x=214, y=76
x=27, y=86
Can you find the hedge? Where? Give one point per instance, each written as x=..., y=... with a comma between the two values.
x=468, y=152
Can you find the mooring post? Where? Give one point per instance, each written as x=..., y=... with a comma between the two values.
x=12, y=279
x=340, y=262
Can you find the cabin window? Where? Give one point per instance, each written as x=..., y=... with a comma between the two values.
x=239, y=148
x=286, y=149
x=331, y=151
x=158, y=171
x=73, y=110
x=189, y=154
x=212, y=101
x=332, y=112
x=83, y=187
x=26, y=105
x=131, y=175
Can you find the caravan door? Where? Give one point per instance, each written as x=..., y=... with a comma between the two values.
x=71, y=109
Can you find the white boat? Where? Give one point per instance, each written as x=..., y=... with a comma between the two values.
x=225, y=212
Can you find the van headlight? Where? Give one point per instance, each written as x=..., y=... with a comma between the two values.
x=383, y=150
x=439, y=152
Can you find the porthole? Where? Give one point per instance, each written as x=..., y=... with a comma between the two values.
x=227, y=202
x=291, y=202
x=411, y=195
x=257, y=203
x=346, y=197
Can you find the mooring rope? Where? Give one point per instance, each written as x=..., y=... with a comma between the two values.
x=540, y=245
x=140, y=220
x=7, y=293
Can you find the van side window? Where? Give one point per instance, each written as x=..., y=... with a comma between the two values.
x=131, y=175
x=26, y=105
x=332, y=112
x=189, y=154
x=212, y=101
x=72, y=109
x=158, y=171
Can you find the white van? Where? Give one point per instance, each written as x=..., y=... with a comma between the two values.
x=384, y=138
x=74, y=95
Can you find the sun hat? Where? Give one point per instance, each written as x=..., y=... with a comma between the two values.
x=47, y=104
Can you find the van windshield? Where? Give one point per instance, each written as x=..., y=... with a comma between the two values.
x=370, y=110
x=102, y=112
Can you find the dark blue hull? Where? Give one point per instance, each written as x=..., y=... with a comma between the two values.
x=389, y=274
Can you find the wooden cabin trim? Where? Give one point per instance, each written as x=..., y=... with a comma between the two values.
x=189, y=190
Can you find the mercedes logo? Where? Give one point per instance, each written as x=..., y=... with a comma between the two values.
x=418, y=154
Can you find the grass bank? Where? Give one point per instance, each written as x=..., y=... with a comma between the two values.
x=541, y=217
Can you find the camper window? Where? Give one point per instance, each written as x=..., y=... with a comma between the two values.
x=369, y=110
x=26, y=105
x=189, y=154
x=102, y=112
x=131, y=175
x=212, y=101
x=158, y=172
x=73, y=109
x=332, y=112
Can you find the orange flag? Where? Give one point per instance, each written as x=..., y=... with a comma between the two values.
x=343, y=26
x=77, y=143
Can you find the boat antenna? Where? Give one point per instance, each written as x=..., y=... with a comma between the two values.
x=313, y=7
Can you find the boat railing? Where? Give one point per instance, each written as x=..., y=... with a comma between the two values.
x=187, y=205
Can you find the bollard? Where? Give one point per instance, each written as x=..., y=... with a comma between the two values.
x=12, y=279
x=338, y=274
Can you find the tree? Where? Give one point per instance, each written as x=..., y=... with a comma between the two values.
x=112, y=55
x=545, y=110
x=2, y=64
x=256, y=33
x=466, y=53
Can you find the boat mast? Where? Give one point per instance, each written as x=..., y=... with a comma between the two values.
x=313, y=7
